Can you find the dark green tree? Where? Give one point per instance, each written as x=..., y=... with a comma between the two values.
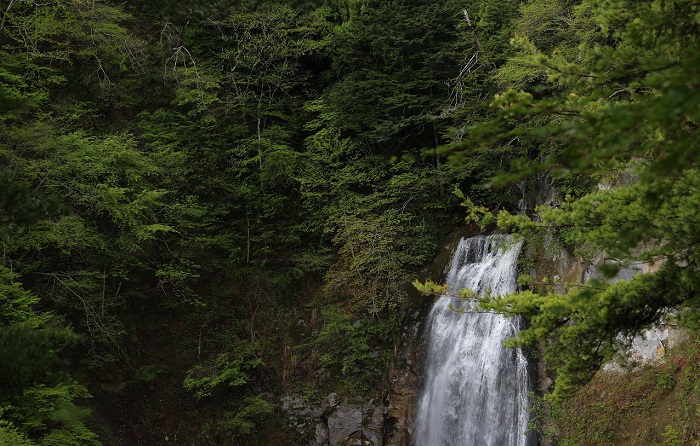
x=627, y=115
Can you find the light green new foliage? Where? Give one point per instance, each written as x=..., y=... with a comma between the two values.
x=49, y=414
x=10, y=436
x=352, y=347
x=545, y=26
x=228, y=369
x=375, y=254
x=248, y=417
x=16, y=303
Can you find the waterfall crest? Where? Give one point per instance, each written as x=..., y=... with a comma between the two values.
x=475, y=391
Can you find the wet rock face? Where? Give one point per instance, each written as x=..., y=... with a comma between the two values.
x=302, y=417
x=405, y=381
x=352, y=424
x=336, y=422
x=401, y=406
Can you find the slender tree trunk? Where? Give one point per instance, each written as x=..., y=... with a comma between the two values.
x=247, y=255
x=259, y=134
x=4, y=16
x=469, y=23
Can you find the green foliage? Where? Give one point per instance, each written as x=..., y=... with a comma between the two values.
x=620, y=224
x=236, y=163
x=574, y=186
x=76, y=45
x=479, y=215
x=20, y=204
x=16, y=303
x=49, y=413
x=665, y=381
x=672, y=437
x=542, y=412
x=253, y=411
x=355, y=348
x=10, y=436
x=385, y=55
x=229, y=369
x=429, y=287
x=609, y=409
x=147, y=374
x=30, y=358
x=197, y=167
x=374, y=259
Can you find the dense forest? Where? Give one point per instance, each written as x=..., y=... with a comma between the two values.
x=207, y=205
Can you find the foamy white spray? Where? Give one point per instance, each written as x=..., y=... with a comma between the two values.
x=475, y=390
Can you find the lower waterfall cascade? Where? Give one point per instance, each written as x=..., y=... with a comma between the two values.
x=475, y=391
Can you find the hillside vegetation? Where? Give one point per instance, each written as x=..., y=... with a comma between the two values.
x=206, y=205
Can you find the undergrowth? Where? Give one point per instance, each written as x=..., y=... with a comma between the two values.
x=655, y=405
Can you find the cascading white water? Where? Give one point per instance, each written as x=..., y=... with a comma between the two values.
x=475, y=391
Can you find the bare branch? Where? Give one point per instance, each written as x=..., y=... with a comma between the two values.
x=4, y=16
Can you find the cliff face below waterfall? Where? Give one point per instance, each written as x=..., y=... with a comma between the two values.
x=404, y=379
x=651, y=393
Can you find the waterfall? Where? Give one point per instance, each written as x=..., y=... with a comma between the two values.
x=475, y=391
